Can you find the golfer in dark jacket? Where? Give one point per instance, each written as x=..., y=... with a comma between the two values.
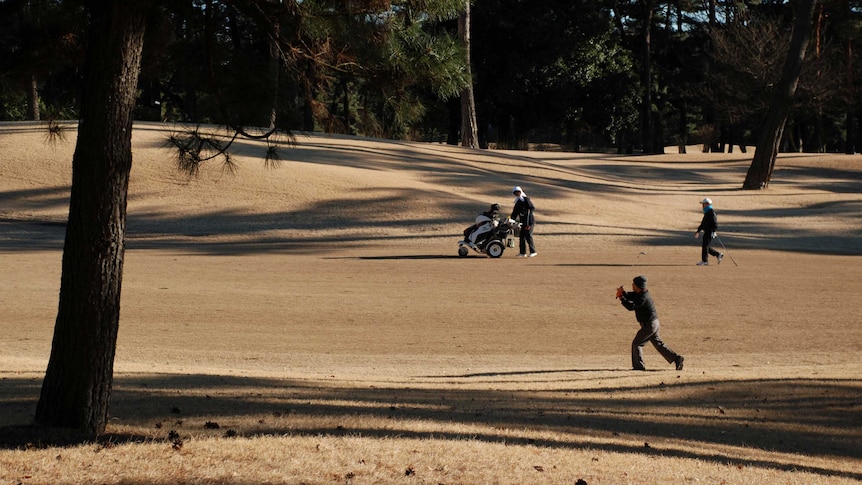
x=708, y=226
x=640, y=301
x=523, y=212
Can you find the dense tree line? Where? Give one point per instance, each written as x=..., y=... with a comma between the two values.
x=627, y=75
x=632, y=75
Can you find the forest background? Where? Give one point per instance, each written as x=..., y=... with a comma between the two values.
x=628, y=76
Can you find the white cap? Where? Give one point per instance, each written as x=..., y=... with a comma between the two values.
x=517, y=189
x=706, y=201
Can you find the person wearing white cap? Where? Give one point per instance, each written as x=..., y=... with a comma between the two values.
x=708, y=226
x=523, y=213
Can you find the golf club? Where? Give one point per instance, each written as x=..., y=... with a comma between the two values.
x=725, y=250
x=631, y=269
x=637, y=260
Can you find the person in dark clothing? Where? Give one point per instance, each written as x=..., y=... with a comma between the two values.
x=523, y=213
x=640, y=301
x=708, y=226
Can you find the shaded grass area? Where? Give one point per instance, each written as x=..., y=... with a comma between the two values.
x=788, y=226
x=768, y=423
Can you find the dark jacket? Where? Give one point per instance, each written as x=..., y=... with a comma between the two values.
x=642, y=305
x=523, y=211
x=709, y=224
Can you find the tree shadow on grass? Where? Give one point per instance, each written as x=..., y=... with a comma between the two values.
x=768, y=228
x=398, y=257
x=713, y=420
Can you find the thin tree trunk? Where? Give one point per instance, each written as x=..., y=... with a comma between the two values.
x=469, y=131
x=683, y=127
x=345, y=106
x=710, y=145
x=772, y=129
x=79, y=377
x=33, y=101
x=274, y=75
x=850, y=126
x=647, y=131
x=308, y=114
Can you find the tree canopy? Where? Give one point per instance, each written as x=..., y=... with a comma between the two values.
x=565, y=72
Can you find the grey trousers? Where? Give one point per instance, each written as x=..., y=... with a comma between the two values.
x=649, y=333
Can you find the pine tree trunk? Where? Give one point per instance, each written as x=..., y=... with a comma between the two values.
x=274, y=76
x=849, y=125
x=33, y=101
x=683, y=127
x=79, y=376
x=647, y=131
x=469, y=131
x=772, y=129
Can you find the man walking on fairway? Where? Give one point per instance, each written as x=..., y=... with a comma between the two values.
x=640, y=301
x=708, y=226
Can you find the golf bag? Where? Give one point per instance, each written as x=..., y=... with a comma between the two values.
x=493, y=242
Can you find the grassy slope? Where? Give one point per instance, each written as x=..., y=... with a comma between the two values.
x=319, y=315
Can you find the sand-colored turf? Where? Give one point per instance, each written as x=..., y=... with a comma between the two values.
x=313, y=323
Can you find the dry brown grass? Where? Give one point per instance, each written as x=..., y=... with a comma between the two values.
x=317, y=314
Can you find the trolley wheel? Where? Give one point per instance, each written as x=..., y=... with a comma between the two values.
x=495, y=249
x=463, y=251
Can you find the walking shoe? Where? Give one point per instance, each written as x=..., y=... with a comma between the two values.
x=679, y=360
x=720, y=257
x=703, y=263
x=532, y=254
x=522, y=255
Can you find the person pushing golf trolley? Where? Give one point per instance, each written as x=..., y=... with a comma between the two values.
x=640, y=301
x=523, y=213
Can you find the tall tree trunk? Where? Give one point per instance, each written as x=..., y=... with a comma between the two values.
x=309, y=94
x=33, y=101
x=79, y=376
x=469, y=131
x=273, y=70
x=647, y=131
x=771, y=130
x=683, y=127
x=345, y=107
x=849, y=118
x=274, y=67
x=709, y=116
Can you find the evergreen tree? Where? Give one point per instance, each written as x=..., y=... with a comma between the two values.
x=78, y=381
x=760, y=172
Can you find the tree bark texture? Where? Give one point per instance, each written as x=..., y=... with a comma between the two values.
x=772, y=128
x=469, y=130
x=78, y=380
